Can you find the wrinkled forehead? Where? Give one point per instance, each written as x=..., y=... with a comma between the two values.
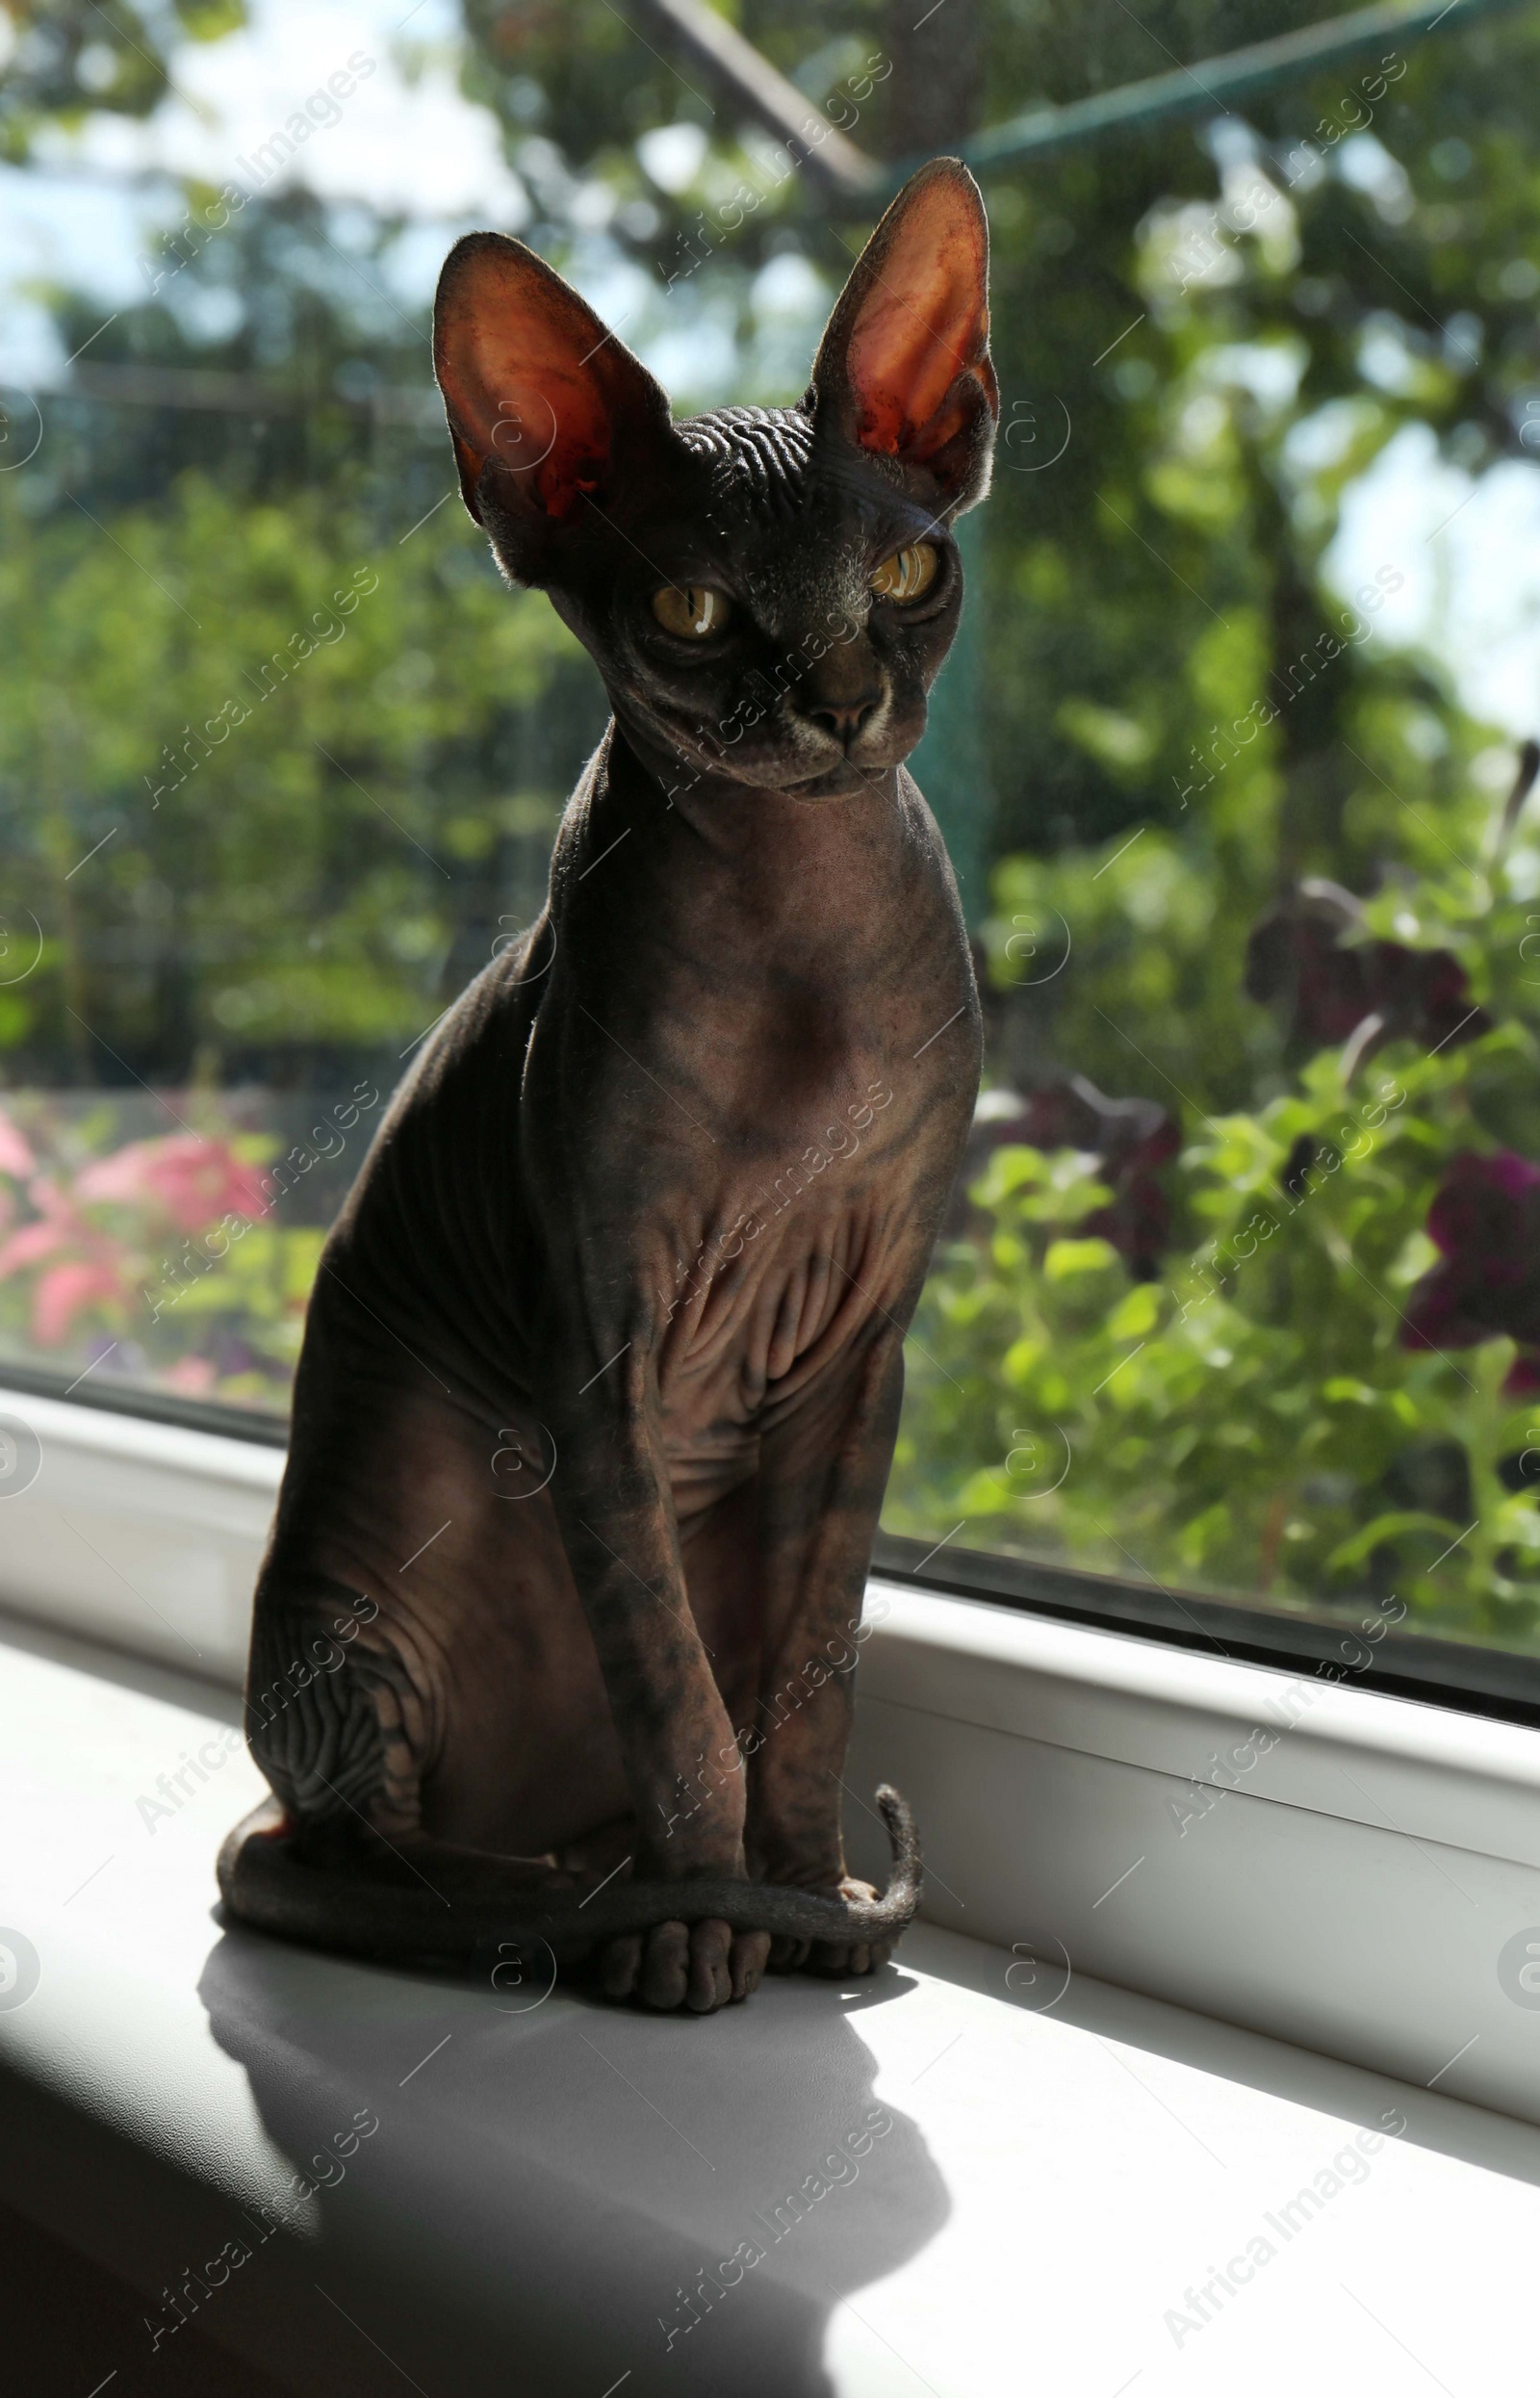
x=759, y=464
x=794, y=518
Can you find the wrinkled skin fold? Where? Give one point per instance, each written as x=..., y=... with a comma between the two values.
x=557, y=1631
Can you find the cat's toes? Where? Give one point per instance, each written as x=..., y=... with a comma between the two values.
x=698, y=1966
x=711, y=1983
x=787, y=1956
x=833, y=1959
x=664, y=1975
x=686, y=1965
x=621, y=1965
x=746, y=1964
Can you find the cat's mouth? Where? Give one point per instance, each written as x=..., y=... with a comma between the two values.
x=803, y=759
x=794, y=756
x=840, y=778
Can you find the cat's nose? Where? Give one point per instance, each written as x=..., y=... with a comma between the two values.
x=844, y=718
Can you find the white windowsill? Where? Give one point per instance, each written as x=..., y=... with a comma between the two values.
x=1352, y=1894
x=550, y=2193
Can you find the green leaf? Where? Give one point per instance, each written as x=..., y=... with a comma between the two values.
x=1065, y=1259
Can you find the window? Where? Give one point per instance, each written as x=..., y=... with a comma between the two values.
x=1233, y=1331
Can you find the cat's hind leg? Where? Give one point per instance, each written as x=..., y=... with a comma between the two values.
x=340, y=1724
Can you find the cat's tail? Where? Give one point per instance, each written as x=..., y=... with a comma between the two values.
x=266, y=1882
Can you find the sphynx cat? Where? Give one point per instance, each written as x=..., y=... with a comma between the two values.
x=558, y=1629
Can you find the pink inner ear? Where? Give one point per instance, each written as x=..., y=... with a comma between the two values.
x=513, y=360
x=923, y=323
x=539, y=410
x=563, y=406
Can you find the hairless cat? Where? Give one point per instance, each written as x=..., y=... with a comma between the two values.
x=601, y=1372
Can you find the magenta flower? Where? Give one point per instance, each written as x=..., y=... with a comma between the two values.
x=1333, y=986
x=1130, y=1139
x=1486, y=1218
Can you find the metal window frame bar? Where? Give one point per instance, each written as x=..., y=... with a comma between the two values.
x=1212, y=88
x=1478, y=1680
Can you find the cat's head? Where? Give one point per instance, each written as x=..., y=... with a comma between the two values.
x=768, y=592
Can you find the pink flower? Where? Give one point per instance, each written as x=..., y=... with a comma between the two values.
x=15, y=1157
x=192, y=1180
x=89, y=1264
x=192, y=1377
x=35, y=1241
x=62, y=1293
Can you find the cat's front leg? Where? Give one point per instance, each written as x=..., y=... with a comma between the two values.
x=613, y=1502
x=823, y=1471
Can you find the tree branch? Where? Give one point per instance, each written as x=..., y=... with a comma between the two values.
x=763, y=94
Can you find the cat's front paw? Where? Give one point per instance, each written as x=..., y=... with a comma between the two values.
x=698, y=1966
x=832, y=1956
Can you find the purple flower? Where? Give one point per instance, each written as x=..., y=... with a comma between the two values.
x=1331, y=986
x=1486, y=1218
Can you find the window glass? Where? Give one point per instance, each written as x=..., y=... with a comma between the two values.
x=1239, y=1291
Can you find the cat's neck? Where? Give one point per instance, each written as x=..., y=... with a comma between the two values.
x=823, y=891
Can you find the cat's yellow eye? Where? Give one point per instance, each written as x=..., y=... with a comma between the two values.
x=907, y=572
x=692, y=611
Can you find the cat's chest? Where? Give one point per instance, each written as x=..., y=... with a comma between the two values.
x=778, y=1279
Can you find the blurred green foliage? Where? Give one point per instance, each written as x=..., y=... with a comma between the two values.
x=295, y=756
x=1206, y=335
x=1254, y=1420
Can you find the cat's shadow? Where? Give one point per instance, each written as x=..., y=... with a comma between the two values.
x=564, y=2196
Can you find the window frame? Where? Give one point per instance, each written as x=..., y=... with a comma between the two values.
x=1469, y=1678
x=1345, y=1884
x=1472, y=1677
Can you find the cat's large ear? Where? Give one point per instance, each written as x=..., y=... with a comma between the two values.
x=904, y=369
x=546, y=407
